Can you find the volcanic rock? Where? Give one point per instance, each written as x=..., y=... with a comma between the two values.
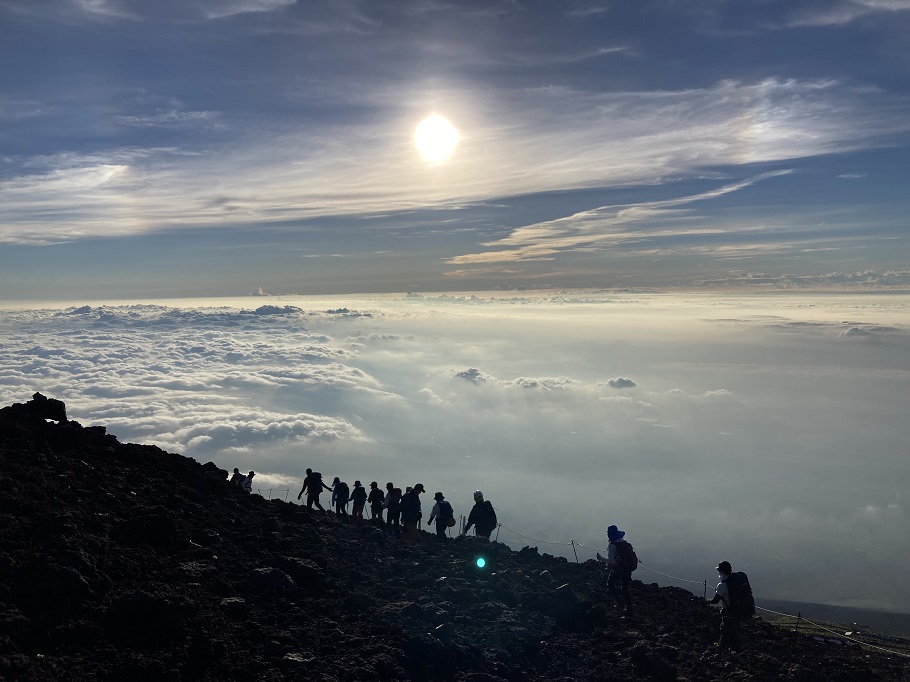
x=124, y=562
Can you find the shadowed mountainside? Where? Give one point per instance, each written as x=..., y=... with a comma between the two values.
x=125, y=562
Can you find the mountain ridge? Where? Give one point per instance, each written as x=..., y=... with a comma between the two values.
x=123, y=561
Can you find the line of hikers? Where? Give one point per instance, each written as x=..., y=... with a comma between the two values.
x=402, y=510
x=733, y=592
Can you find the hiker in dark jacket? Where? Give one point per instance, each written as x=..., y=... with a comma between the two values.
x=729, y=614
x=313, y=485
x=482, y=517
x=410, y=512
x=306, y=482
x=618, y=562
x=375, y=499
x=235, y=478
x=442, y=512
x=392, y=504
x=359, y=498
x=341, y=493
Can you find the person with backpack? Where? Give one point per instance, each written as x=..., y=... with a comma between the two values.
x=341, y=493
x=246, y=482
x=376, y=499
x=443, y=514
x=482, y=517
x=737, y=604
x=359, y=498
x=236, y=477
x=410, y=512
x=313, y=485
x=392, y=504
x=621, y=560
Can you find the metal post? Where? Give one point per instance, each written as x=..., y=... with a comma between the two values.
x=498, y=526
x=798, y=616
x=270, y=493
x=706, y=590
x=576, y=553
x=286, y=493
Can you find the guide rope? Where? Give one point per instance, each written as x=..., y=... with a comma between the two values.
x=575, y=543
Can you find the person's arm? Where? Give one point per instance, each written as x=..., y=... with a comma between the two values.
x=326, y=487
x=601, y=559
x=721, y=594
x=302, y=489
x=471, y=520
x=611, y=556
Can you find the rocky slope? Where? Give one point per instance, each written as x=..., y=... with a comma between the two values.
x=125, y=562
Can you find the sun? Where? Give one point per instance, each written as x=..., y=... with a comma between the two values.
x=436, y=139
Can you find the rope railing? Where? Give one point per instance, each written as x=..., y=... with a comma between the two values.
x=798, y=618
x=839, y=635
x=276, y=490
x=667, y=575
x=574, y=543
x=545, y=542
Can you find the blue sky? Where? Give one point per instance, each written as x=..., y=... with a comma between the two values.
x=213, y=147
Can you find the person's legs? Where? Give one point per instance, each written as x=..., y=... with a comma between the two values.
x=441, y=529
x=358, y=514
x=626, y=580
x=729, y=633
x=613, y=588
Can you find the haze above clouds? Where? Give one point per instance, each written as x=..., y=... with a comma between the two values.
x=769, y=431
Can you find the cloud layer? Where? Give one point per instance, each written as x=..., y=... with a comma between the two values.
x=727, y=424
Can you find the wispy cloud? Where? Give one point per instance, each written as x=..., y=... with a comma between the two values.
x=842, y=12
x=547, y=139
x=603, y=226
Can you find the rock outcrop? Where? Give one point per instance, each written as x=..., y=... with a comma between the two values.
x=125, y=562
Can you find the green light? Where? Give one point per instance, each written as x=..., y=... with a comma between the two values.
x=481, y=562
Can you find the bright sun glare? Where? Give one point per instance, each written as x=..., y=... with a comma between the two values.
x=436, y=139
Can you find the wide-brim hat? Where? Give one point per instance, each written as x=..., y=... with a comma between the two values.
x=438, y=496
x=419, y=487
x=615, y=534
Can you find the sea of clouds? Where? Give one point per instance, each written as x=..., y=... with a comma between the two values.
x=769, y=430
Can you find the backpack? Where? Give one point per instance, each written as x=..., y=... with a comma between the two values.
x=742, y=603
x=626, y=556
x=446, y=513
x=342, y=493
x=410, y=504
x=395, y=500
